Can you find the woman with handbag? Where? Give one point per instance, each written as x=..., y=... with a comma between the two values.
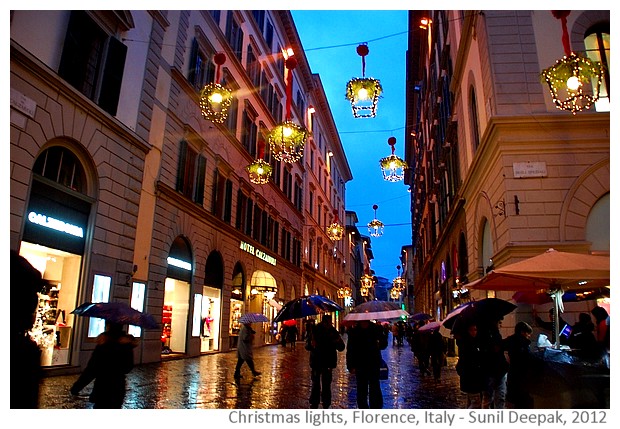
x=364, y=345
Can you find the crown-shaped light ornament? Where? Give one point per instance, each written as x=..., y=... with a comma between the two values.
x=375, y=226
x=259, y=171
x=287, y=140
x=398, y=283
x=392, y=167
x=335, y=231
x=215, y=100
x=574, y=80
x=363, y=92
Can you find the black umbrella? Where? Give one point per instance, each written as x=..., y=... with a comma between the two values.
x=418, y=317
x=306, y=306
x=116, y=312
x=484, y=310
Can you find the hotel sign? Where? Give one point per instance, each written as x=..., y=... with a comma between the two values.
x=529, y=169
x=246, y=247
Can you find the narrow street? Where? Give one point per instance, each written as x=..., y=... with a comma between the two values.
x=207, y=382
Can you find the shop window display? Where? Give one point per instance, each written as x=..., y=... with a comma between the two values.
x=53, y=324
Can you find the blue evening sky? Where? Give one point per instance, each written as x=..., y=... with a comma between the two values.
x=365, y=140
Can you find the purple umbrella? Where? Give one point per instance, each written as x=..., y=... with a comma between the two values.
x=116, y=312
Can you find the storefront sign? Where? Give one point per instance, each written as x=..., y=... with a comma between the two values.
x=529, y=169
x=58, y=225
x=179, y=263
x=258, y=253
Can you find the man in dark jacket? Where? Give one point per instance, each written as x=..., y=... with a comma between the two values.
x=494, y=365
x=518, y=347
x=323, y=342
x=110, y=361
x=364, y=345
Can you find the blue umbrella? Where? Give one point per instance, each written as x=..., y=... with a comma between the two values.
x=253, y=318
x=306, y=306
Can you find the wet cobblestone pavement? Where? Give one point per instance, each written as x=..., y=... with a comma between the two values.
x=207, y=382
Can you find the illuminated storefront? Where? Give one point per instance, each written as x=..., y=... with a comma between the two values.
x=53, y=241
x=175, y=312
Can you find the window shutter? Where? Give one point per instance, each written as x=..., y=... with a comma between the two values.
x=181, y=169
x=200, y=180
x=191, y=75
x=112, y=76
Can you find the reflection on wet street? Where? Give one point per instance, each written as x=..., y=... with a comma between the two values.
x=207, y=382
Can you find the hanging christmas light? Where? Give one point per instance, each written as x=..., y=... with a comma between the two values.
x=392, y=166
x=287, y=140
x=394, y=293
x=335, y=231
x=215, y=100
x=259, y=170
x=570, y=78
x=366, y=281
x=375, y=226
x=363, y=92
x=398, y=283
x=344, y=292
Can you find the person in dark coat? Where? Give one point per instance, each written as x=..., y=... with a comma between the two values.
x=603, y=337
x=111, y=360
x=582, y=339
x=420, y=349
x=324, y=342
x=291, y=335
x=549, y=326
x=364, y=345
x=468, y=366
x=519, y=359
x=437, y=347
x=245, y=351
x=494, y=364
x=25, y=354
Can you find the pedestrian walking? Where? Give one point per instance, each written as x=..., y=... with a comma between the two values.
x=419, y=346
x=517, y=346
x=245, y=350
x=111, y=360
x=494, y=364
x=468, y=366
x=364, y=345
x=394, y=330
x=437, y=347
x=324, y=341
x=291, y=335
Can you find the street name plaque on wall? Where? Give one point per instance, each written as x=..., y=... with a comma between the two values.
x=529, y=169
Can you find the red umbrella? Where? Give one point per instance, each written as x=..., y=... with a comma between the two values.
x=290, y=322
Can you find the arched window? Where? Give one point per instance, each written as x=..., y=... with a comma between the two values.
x=597, y=48
x=597, y=225
x=61, y=165
x=473, y=114
x=486, y=248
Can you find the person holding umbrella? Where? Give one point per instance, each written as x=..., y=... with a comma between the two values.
x=468, y=366
x=365, y=342
x=324, y=342
x=111, y=360
x=245, y=350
